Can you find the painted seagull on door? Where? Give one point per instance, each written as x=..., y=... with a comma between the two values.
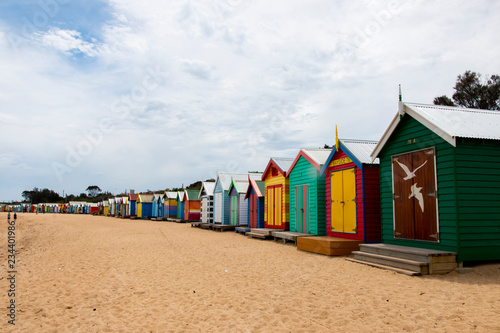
x=415, y=192
x=409, y=174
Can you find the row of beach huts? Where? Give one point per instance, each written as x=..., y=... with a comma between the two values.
x=422, y=200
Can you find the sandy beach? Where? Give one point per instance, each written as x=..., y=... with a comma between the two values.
x=78, y=273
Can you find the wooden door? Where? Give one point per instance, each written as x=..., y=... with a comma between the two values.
x=234, y=210
x=274, y=205
x=204, y=209
x=278, y=212
x=253, y=211
x=343, y=201
x=270, y=205
x=218, y=207
x=415, y=196
x=302, y=208
x=186, y=210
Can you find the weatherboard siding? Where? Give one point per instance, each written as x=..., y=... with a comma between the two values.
x=410, y=136
x=478, y=195
x=358, y=235
x=303, y=173
x=271, y=180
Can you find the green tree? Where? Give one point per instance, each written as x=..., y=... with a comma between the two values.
x=471, y=91
x=93, y=190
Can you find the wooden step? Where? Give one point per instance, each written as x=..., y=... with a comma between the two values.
x=263, y=231
x=242, y=230
x=331, y=246
x=389, y=268
x=254, y=234
x=411, y=253
x=396, y=262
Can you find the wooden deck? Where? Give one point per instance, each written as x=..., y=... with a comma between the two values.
x=262, y=233
x=288, y=236
x=220, y=227
x=195, y=224
x=242, y=230
x=206, y=225
x=330, y=246
x=406, y=260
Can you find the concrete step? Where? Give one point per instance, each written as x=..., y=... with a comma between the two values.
x=420, y=267
x=389, y=268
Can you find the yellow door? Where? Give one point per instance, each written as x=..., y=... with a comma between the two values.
x=337, y=199
x=349, y=183
x=277, y=206
x=139, y=209
x=270, y=206
x=343, y=201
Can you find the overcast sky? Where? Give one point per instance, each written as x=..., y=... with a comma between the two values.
x=129, y=94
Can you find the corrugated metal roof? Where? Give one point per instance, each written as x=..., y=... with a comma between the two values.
x=319, y=155
x=225, y=178
x=209, y=187
x=448, y=122
x=191, y=194
x=171, y=195
x=242, y=185
x=361, y=149
x=145, y=197
x=461, y=122
x=283, y=163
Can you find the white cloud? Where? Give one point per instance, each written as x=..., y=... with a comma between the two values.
x=67, y=41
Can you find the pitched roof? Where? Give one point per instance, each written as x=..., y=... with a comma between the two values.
x=132, y=196
x=316, y=156
x=448, y=122
x=258, y=186
x=283, y=165
x=225, y=178
x=241, y=186
x=180, y=195
x=358, y=151
x=171, y=194
x=144, y=197
x=191, y=195
x=209, y=188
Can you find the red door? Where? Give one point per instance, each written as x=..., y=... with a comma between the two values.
x=253, y=211
x=415, y=196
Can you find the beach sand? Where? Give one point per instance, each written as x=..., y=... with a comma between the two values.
x=78, y=273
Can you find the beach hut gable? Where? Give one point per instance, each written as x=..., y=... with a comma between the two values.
x=170, y=208
x=256, y=203
x=307, y=192
x=277, y=194
x=440, y=174
x=191, y=205
x=352, y=191
x=206, y=197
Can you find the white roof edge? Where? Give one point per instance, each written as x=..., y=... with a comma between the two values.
x=381, y=143
x=395, y=122
x=439, y=131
